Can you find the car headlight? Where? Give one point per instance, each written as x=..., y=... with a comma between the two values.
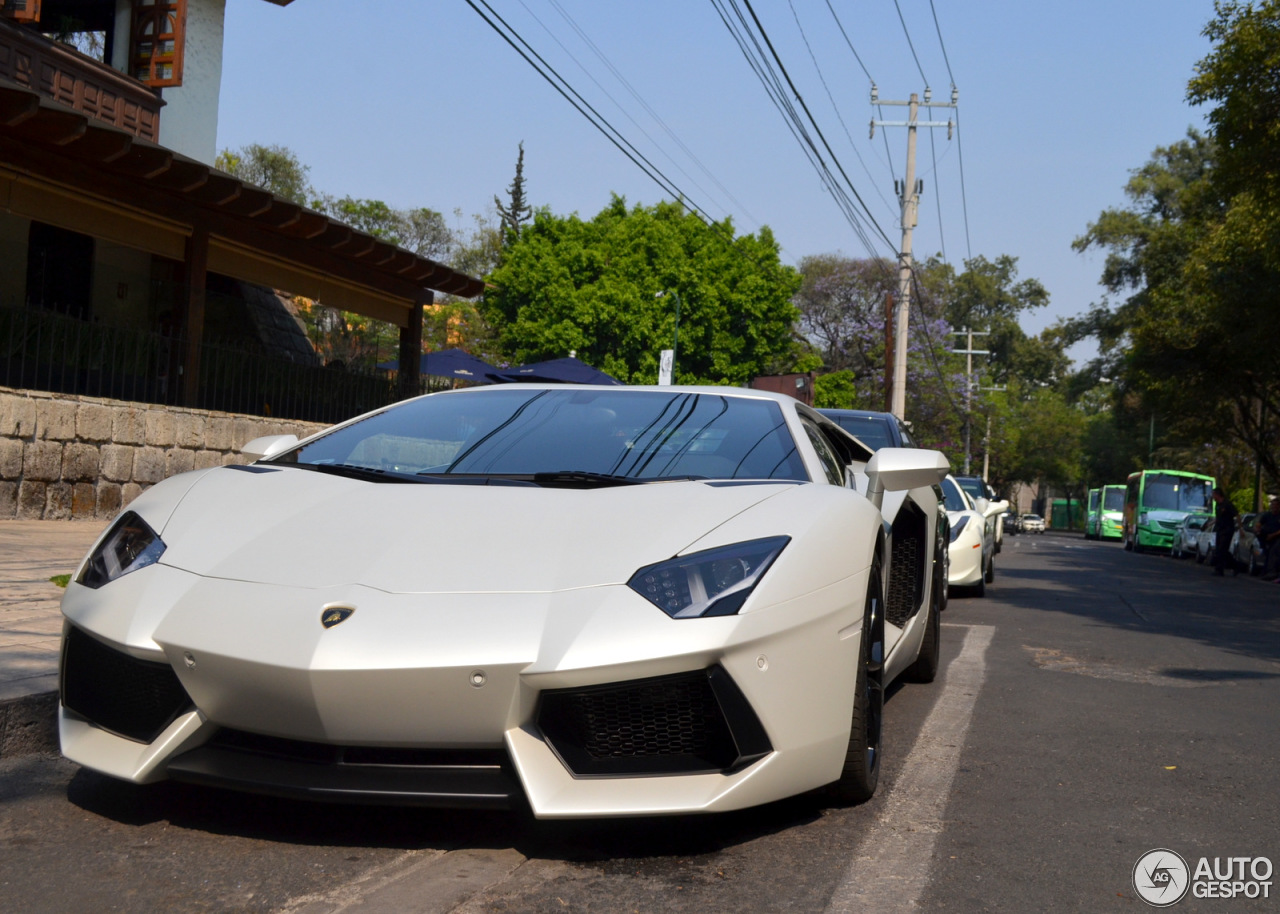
x=715, y=582
x=130, y=545
x=959, y=526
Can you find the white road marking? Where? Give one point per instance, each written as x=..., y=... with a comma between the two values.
x=434, y=882
x=890, y=870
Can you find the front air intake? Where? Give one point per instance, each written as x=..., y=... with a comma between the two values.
x=133, y=698
x=682, y=724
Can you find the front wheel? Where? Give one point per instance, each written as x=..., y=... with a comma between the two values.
x=862, y=758
x=990, y=576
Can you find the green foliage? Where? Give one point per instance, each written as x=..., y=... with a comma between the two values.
x=422, y=231
x=606, y=288
x=273, y=168
x=517, y=211
x=834, y=391
x=989, y=296
x=1197, y=253
x=1241, y=79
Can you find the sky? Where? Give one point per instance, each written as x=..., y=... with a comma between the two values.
x=424, y=104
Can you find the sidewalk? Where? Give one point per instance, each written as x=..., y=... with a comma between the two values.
x=31, y=552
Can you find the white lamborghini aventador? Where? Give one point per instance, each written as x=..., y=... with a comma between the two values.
x=600, y=601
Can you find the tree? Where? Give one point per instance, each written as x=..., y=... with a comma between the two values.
x=592, y=287
x=273, y=168
x=842, y=311
x=517, y=211
x=1198, y=252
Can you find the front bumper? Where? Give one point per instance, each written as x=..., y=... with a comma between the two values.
x=404, y=704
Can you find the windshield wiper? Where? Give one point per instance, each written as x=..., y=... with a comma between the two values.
x=587, y=479
x=352, y=471
x=583, y=478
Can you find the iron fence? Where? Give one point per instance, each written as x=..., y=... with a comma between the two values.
x=44, y=350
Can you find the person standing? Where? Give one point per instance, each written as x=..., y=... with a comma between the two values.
x=1268, y=528
x=1224, y=526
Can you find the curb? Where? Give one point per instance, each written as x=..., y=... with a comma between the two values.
x=29, y=725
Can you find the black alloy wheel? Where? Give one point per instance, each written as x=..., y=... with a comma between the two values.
x=861, y=771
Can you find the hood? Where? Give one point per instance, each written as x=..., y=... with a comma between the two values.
x=301, y=528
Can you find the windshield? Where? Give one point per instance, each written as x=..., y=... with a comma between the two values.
x=523, y=432
x=872, y=431
x=973, y=485
x=1113, y=499
x=1163, y=491
x=951, y=493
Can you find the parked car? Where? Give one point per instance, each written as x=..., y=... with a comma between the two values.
x=1187, y=536
x=982, y=494
x=1031, y=523
x=1246, y=548
x=874, y=429
x=972, y=550
x=648, y=600
x=1205, y=541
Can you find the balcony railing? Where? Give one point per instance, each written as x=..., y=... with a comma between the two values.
x=77, y=81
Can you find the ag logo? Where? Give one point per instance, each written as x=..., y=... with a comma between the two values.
x=1161, y=878
x=335, y=615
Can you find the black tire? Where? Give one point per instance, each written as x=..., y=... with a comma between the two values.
x=1199, y=556
x=980, y=589
x=925, y=666
x=1254, y=568
x=861, y=771
x=990, y=575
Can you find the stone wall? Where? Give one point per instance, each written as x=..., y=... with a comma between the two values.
x=68, y=457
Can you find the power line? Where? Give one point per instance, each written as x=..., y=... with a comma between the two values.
x=746, y=41
x=817, y=130
x=595, y=49
x=964, y=201
x=834, y=106
x=941, y=43
x=870, y=79
x=912, y=46
x=583, y=107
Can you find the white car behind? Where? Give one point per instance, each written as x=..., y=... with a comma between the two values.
x=972, y=549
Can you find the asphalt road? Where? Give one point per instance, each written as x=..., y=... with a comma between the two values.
x=1096, y=705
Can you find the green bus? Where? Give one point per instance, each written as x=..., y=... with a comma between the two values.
x=1105, y=518
x=1155, y=503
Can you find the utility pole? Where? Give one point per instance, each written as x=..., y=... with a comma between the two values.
x=888, y=353
x=969, y=385
x=909, y=198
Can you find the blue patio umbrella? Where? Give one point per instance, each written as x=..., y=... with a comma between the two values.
x=451, y=363
x=563, y=371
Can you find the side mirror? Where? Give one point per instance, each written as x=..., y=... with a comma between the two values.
x=268, y=446
x=896, y=468
x=995, y=507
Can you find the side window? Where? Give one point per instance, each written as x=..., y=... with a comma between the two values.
x=830, y=463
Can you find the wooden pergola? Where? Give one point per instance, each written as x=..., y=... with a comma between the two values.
x=66, y=168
